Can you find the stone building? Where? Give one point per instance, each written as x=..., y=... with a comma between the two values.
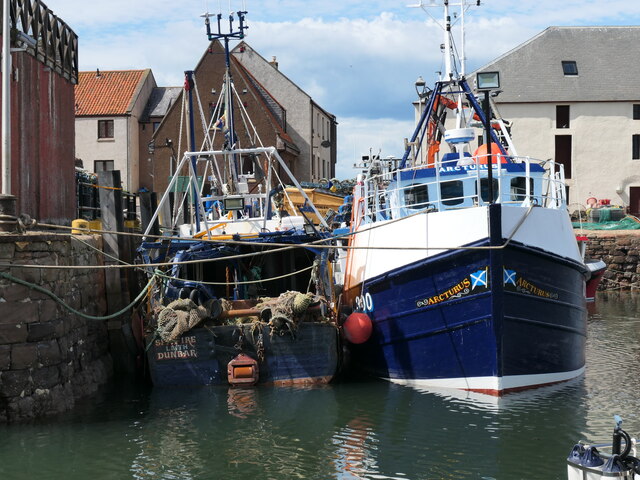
x=283, y=115
x=572, y=94
x=109, y=107
x=311, y=127
x=160, y=101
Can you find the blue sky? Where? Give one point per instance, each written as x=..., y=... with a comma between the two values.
x=357, y=59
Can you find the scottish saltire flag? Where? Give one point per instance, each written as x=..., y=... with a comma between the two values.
x=509, y=277
x=479, y=279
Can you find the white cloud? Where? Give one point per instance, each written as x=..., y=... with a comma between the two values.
x=358, y=60
x=358, y=136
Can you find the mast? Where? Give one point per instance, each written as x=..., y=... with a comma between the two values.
x=234, y=33
x=448, y=53
x=188, y=85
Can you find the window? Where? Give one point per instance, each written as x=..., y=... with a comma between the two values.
x=636, y=147
x=155, y=126
x=102, y=166
x=105, y=128
x=636, y=112
x=570, y=68
x=452, y=192
x=562, y=116
x=416, y=196
x=484, y=189
x=519, y=188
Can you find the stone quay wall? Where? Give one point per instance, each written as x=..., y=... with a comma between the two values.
x=620, y=250
x=49, y=356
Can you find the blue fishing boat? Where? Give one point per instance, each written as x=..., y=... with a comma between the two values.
x=463, y=270
x=242, y=292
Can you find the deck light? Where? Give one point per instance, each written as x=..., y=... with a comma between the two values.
x=485, y=82
x=488, y=81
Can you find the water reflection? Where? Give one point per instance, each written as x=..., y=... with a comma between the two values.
x=359, y=430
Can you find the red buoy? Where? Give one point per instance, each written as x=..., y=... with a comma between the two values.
x=357, y=327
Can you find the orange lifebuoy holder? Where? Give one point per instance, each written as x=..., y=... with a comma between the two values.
x=481, y=156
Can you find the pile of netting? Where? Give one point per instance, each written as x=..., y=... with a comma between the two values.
x=178, y=317
x=282, y=314
x=629, y=222
x=285, y=312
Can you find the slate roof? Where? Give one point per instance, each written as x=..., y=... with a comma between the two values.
x=274, y=112
x=607, y=59
x=160, y=101
x=110, y=93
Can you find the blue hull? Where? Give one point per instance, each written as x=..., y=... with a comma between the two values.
x=487, y=321
x=200, y=356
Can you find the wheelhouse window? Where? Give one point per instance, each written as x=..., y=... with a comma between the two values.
x=452, y=192
x=519, y=188
x=484, y=188
x=569, y=68
x=562, y=116
x=635, y=147
x=105, y=128
x=636, y=112
x=102, y=166
x=416, y=196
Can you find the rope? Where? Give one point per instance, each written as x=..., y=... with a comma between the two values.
x=280, y=247
x=70, y=308
x=246, y=282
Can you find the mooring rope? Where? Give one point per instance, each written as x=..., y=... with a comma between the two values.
x=69, y=307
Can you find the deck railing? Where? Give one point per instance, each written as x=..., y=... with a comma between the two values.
x=383, y=197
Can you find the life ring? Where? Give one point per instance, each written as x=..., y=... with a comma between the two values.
x=592, y=202
x=480, y=155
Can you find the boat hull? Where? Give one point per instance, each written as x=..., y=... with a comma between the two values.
x=489, y=321
x=201, y=356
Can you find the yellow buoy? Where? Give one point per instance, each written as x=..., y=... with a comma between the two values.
x=95, y=224
x=77, y=224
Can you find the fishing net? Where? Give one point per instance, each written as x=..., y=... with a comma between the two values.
x=627, y=223
x=285, y=311
x=178, y=317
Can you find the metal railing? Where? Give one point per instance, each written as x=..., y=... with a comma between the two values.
x=457, y=184
x=45, y=36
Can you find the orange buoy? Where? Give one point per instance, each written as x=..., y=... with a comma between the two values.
x=481, y=155
x=242, y=370
x=358, y=327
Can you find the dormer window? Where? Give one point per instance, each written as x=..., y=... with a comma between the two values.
x=570, y=68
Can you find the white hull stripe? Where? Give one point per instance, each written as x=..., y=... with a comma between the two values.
x=491, y=384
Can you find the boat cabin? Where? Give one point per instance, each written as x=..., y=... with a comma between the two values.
x=463, y=183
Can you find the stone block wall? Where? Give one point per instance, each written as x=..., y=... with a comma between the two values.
x=49, y=356
x=620, y=251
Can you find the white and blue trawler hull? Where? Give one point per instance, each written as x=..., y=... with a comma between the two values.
x=485, y=320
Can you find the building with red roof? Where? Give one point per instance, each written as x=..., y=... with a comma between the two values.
x=109, y=107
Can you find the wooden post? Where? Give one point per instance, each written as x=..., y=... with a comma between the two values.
x=115, y=278
x=148, y=205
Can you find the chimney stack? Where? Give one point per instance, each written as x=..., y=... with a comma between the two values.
x=274, y=62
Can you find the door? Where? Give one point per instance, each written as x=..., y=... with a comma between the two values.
x=563, y=153
x=634, y=201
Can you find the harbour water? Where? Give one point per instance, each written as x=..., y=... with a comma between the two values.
x=361, y=430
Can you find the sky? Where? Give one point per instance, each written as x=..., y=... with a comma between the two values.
x=357, y=59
